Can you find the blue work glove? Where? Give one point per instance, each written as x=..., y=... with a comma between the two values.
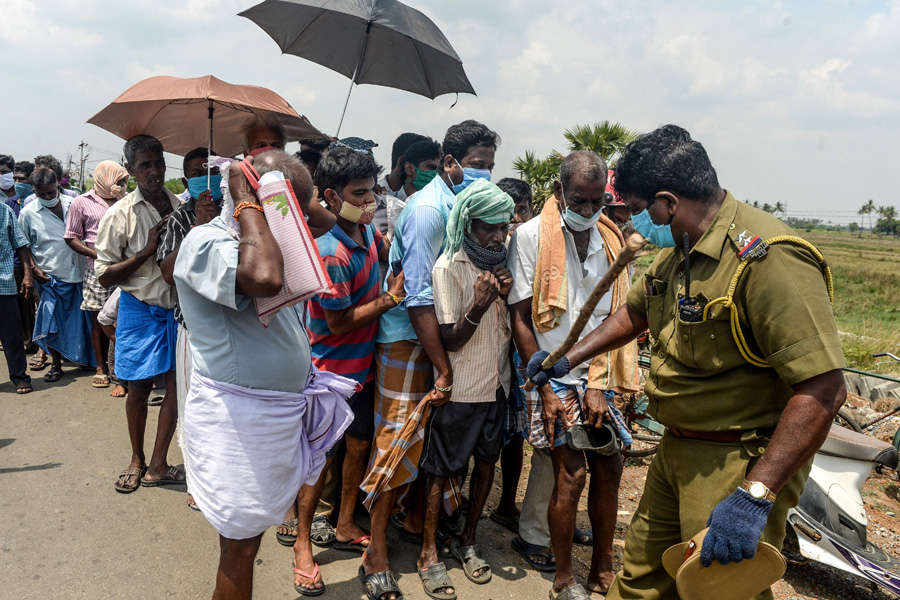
x=539, y=376
x=735, y=526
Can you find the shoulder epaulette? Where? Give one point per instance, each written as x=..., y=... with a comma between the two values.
x=749, y=246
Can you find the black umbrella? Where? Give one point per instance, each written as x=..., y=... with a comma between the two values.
x=382, y=42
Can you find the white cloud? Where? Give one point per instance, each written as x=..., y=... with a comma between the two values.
x=825, y=84
x=781, y=94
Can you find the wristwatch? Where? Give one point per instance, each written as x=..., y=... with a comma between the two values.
x=758, y=490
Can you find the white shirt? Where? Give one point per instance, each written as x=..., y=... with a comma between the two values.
x=580, y=279
x=388, y=207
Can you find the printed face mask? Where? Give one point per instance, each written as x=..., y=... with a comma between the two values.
x=357, y=214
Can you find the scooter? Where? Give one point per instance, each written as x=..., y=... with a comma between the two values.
x=830, y=520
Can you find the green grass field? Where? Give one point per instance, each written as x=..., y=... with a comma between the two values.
x=867, y=293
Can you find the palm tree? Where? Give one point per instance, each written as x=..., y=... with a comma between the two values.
x=780, y=208
x=867, y=209
x=539, y=174
x=608, y=139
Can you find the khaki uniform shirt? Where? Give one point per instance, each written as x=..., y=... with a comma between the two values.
x=122, y=233
x=698, y=379
x=482, y=364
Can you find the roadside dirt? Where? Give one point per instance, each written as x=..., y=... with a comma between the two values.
x=809, y=581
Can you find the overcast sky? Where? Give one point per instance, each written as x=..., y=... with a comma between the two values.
x=797, y=102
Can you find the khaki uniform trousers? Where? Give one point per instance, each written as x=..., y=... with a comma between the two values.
x=684, y=483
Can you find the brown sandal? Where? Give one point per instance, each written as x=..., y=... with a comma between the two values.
x=172, y=476
x=122, y=484
x=38, y=363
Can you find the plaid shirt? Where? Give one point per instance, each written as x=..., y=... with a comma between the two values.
x=11, y=239
x=179, y=224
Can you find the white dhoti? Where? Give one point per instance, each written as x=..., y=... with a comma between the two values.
x=251, y=450
x=183, y=369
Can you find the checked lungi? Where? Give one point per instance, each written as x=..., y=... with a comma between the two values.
x=404, y=376
x=93, y=294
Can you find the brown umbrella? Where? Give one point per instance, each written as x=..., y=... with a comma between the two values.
x=179, y=112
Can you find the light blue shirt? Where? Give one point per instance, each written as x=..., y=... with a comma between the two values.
x=228, y=342
x=418, y=242
x=11, y=239
x=45, y=231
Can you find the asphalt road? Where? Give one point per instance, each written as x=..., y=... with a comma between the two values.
x=66, y=533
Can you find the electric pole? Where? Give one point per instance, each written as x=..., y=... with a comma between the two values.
x=84, y=157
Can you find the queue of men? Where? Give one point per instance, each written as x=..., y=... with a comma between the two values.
x=406, y=378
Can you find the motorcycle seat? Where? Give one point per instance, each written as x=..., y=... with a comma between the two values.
x=844, y=443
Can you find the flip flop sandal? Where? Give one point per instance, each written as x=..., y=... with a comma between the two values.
x=53, y=374
x=38, y=364
x=121, y=484
x=527, y=551
x=583, y=537
x=287, y=539
x=308, y=591
x=471, y=562
x=353, y=545
x=173, y=476
x=100, y=381
x=573, y=592
x=380, y=584
x=510, y=522
x=155, y=401
x=193, y=505
x=434, y=578
x=321, y=532
x=24, y=388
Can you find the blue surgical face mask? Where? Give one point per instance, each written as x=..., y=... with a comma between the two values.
x=198, y=185
x=470, y=175
x=7, y=180
x=24, y=190
x=659, y=235
x=577, y=222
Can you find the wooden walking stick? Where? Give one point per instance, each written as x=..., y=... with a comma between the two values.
x=629, y=252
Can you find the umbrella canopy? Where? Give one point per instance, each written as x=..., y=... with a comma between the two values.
x=179, y=112
x=382, y=42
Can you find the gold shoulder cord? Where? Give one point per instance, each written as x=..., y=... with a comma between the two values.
x=728, y=300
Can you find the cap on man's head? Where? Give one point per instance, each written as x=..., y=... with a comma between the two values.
x=613, y=198
x=355, y=143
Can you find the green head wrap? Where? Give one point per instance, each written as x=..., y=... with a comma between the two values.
x=480, y=200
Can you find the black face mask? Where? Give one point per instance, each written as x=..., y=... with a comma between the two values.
x=481, y=257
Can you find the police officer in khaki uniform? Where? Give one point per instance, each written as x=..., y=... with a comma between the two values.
x=746, y=368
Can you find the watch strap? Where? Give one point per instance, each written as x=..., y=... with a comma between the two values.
x=769, y=495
